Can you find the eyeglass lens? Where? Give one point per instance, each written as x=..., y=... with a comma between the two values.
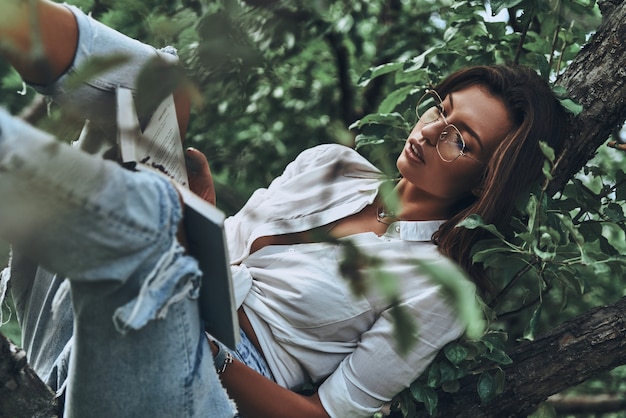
x=450, y=145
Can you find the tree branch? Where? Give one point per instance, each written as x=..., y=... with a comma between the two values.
x=22, y=393
x=596, y=79
x=568, y=354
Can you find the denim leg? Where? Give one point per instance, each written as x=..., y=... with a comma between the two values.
x=138, y=347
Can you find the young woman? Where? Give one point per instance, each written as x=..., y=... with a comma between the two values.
x=122, y=336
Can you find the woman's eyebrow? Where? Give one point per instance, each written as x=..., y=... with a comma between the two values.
x=465, y=125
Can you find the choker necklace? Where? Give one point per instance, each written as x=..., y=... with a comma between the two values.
x=382, y=215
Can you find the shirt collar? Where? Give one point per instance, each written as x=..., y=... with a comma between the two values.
x=413, y=230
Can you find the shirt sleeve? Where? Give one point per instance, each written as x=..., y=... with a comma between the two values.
x=375, y=372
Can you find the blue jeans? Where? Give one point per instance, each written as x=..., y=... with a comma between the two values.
x=138, y=347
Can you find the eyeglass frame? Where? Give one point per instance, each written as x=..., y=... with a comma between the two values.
x=433, y=93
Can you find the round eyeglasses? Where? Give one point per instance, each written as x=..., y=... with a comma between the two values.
x=450, y=144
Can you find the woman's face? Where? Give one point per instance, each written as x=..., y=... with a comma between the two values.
x=482, y=120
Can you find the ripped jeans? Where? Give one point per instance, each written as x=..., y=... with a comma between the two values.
x=137, y=347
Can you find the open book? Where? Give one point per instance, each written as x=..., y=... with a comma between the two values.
x=159, y=147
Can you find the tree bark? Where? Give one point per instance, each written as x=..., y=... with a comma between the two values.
x=596, y=79
x=22, y=393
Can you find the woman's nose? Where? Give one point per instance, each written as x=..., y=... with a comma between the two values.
x=431, y=132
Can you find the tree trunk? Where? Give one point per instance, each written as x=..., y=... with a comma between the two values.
x=596, y=79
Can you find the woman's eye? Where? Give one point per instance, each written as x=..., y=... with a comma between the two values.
x=458, y=142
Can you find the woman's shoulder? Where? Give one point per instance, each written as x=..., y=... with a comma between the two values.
x=330, y=151
x=332, y=154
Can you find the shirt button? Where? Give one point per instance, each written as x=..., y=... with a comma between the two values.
x=398, y=228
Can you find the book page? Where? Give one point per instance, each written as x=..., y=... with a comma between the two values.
x=163, y=150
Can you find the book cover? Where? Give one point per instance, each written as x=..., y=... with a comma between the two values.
x=159, y=147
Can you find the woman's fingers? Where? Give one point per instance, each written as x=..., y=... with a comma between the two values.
x=617, y=145
x=200, y=178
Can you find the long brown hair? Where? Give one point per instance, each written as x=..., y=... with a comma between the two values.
x=516, y=164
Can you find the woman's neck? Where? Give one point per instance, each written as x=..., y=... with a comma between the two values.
x=417, y=205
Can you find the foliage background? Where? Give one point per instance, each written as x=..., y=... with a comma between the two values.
x=271, y=78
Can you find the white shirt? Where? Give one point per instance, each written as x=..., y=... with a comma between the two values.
x=310, y=324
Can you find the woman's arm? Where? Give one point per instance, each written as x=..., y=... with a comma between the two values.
x=40, y=39
x=256, y=396
x=29, y=38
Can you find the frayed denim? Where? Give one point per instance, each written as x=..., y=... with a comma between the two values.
x=138, y=347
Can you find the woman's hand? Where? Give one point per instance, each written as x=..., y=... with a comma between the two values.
x=200, y=178
x=617, y=145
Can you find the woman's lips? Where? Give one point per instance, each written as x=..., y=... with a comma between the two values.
x=414, y=152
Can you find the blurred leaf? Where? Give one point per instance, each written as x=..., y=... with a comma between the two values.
x=155, y=82
x=455, y=281
x=405, y=329
x=475, y=221
x=94, y=67
x=545, y=410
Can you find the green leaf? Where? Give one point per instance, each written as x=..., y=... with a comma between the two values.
x=456, y=353
x=486, y=387
x=450, y=34
x=494, y=340
x=378, y=71
x=545, y=410
x=614, y=212
x=450, y=372
x=462, y=290
x=427, y=396
x=434, y=375
x=404, y=328
x=571, y=106
x=529, y=333
x=531, y=210
x=499, y=380
x=475, y=221
x=362, y=140
x=499, y=356
x=452, y=386
x=419, y=61
x=485, y=256
x=498, y=5
x=155, y=82
x=547, y=150
x=93, y=67
x=391, y=119
x=395, y=98
x=543, y=65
